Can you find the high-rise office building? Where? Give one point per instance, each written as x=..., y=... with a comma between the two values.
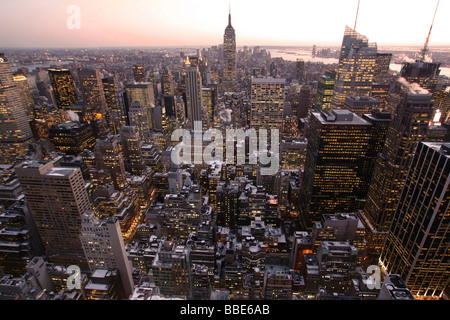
x=361, y=105
x=110, y=88
x=194, y=95
x=416, y=247
x=144, y=93
x=300, y=73
x=15, y=131
x=334, y=167
x=325, y=89
x=132, y=150
x=93, y=95
x=425, y=74
x=110, y=159
x=209, y=96
x=382, y=67
x=408, y=127
x=167, y=85
x=229, y=83
x=356, y=68
x=104, y=247
x=63, y=87
x=139, y=73
x=72, y=137
x=57, y=198
x=139, y=119
x=25, y=92
x=267, y=103
x=380, y=121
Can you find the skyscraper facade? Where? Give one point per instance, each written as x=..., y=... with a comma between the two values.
x=57, y=198
x=144, y=93
x=15, y=131
x=139, y=73
x=356, y=68
x=417, y=242
x=408, y=127
x=337, y=146
x=194, y=95
x=63, y=87
x=267, y=103
x=104, y=247
x=93, y=95
x=229, y=58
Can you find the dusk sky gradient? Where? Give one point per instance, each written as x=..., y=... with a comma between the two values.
x=42, y=23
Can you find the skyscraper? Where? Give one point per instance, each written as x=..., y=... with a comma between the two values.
x=267, y=103
x=63, y=87
x=325, y=89
x=131, y=149
x=408, y=127
x=425, y=74
x=334, y=167
x=93, y=94
x=110, y=88
x=194, y=95
x=15, y=131
x=25, y=92
x=57, y=198
x=417, y=242
x=138, y=118
x=356, y=68
x=104, y=247
x=229, y=58
x=72, y=137
x=139, y=73
x=144, y=93
x=110, y=159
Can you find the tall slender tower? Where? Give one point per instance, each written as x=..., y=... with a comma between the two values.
x=15, y=132
x=229, y=58
x=93, y=94
x=417, y=241
x=356, y=68
x=408, y=127
x=194, y=94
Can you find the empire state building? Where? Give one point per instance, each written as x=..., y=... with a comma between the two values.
x=229, y=58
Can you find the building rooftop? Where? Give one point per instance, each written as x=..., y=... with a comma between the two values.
x=339, y=117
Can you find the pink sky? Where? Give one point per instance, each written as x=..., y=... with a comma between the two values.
x=32, y=23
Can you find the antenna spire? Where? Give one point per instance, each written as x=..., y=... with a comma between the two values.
x=229, y=13
x=356, y=19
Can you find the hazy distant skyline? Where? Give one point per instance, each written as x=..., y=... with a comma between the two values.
x=113, y=23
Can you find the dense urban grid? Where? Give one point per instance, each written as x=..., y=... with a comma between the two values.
x=93, y=205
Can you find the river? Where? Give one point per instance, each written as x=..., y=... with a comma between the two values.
x=294, y=54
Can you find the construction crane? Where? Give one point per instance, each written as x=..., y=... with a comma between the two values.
x=425, y=54
x=356, y=19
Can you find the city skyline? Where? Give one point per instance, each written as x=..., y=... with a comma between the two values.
x=113, y=181
x=200, y=22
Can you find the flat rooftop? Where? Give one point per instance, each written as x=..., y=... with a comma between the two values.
x=340, y=117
